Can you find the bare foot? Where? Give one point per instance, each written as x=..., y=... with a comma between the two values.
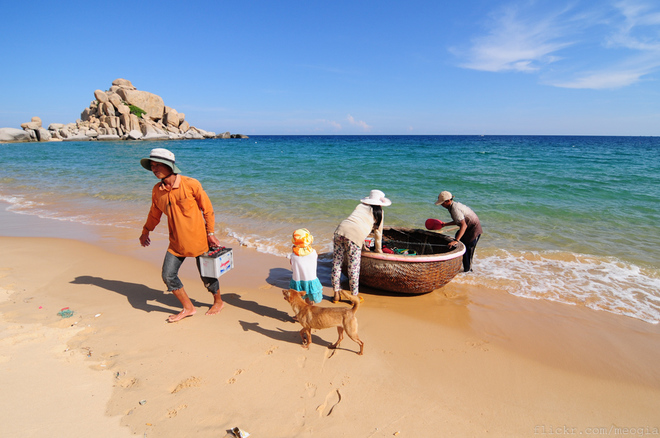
x=184, y=313
x=215, y=308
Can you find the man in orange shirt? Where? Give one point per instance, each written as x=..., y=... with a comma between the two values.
x=190, y=221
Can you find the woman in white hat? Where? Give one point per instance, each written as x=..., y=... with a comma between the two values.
x=349, y=239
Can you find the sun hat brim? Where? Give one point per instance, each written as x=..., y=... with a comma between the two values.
x=383, y=202
x=444, y=196
x=146, y=163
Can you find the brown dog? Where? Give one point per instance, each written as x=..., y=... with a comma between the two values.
x=317, y=317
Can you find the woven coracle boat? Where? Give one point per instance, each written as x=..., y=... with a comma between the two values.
x=433, y=265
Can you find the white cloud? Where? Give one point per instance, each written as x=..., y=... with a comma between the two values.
x=517, y=43
x=618, y=42
x=603, y=80
x=639, y=29
x=360, y=123
x=333, y=124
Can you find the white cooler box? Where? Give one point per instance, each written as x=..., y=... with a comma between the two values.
x=216, y=262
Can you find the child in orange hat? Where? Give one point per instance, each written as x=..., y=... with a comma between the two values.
x=303, y=267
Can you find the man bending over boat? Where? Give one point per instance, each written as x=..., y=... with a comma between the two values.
x=468, y=222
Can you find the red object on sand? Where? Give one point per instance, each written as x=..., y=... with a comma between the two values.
x=434, y=224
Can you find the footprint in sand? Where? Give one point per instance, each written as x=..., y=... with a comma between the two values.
x=127, y=383
x=480, y=343
x=332, y=399
x=265, y=286
x=271, y=350
x=311, y=389
x=233, y=380
x=175, y=411
x=190, y=382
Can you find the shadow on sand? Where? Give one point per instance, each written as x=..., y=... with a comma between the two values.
x=254, y=307
x=292, y=337
x=138, y=295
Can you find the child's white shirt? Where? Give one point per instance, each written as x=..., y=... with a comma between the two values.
x=304, y=267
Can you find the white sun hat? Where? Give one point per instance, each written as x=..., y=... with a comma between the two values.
x=160, y=155
x=376, y=197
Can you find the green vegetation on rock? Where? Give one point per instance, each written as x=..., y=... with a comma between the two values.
x=136, y=110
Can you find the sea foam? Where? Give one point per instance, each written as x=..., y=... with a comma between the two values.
x=599, y=283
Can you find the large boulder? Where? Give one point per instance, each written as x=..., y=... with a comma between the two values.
x=43, y=134
x=110, y=121
x=149, y=102
x=106, y=109
x=203, y=133
x=85, y=115
x=119, y=106
x=101, y=96
x=129, y=122
x=150, y=132
x=13, y=135
x=192, y=134
x=171, y=117
x=123, y=109
x=134, y=134
x=115, y=99
x=31, y=125
x=123, y=83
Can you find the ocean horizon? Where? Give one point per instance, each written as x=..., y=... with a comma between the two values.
x=572, y=219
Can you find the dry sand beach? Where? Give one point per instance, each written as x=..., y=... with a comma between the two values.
x=459, y=362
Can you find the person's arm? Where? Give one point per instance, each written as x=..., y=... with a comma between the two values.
x=459, y=233
x=378, y=234
x=205, y=205
x=153, y=219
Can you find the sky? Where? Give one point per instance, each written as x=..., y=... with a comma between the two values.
x=266, y=67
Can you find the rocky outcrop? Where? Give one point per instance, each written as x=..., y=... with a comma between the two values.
x=229, y=135
x=120, y=113
x=14, y=135
x=152, y=104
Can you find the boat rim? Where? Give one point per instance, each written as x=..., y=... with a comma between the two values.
x=417, y=258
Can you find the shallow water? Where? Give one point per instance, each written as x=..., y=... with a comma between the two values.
x=570, y=219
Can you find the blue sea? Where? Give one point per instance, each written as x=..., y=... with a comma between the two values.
x=567, y=219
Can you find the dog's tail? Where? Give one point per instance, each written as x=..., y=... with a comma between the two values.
x=355, y=300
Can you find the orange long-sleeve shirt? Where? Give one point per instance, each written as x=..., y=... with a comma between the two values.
x=189, y=212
